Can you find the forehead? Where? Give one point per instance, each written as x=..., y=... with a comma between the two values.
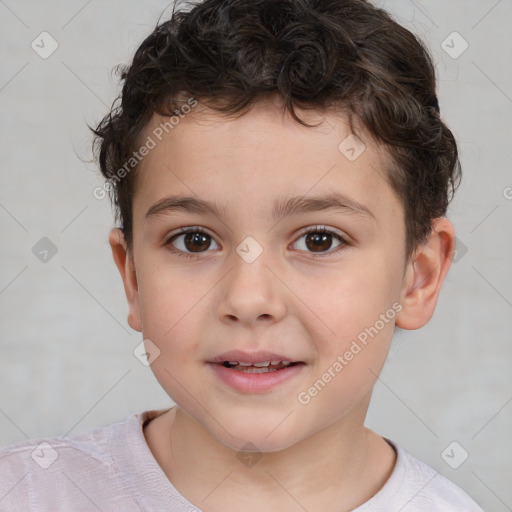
x=251, y=159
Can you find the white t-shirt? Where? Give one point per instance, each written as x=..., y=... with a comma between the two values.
x=111, y=469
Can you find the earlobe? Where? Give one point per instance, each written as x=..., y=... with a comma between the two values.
x=425, y=274
x=125, y=264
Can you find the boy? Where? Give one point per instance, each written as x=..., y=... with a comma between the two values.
x=281, y=175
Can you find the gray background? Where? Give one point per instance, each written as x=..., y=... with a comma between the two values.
x=66, y=350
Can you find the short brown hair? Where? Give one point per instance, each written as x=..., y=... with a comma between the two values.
x=313, y=54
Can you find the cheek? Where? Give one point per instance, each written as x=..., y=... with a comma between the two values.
x=169, y=304
x=178, y=339
x=358, y=309
x=350, y=298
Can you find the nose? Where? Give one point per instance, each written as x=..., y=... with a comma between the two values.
x=250, y=294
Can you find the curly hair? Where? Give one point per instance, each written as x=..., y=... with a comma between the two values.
x=315, y=54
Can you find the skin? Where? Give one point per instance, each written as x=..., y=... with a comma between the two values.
x=315, y=456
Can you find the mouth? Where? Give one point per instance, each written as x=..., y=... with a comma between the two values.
x=255, y=372
x=262, y=367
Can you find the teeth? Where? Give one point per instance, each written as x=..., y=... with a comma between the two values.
x=263, y=364
x=259, y=365
x=259, y=370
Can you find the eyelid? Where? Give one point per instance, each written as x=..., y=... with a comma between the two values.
x=186, y=229
x=343, y=239
x=322, y=227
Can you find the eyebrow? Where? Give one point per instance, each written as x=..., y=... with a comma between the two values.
x=282, y=206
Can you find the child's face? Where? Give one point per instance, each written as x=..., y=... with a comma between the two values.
x=287, y=301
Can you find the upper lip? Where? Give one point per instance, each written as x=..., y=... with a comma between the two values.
x=251, y=357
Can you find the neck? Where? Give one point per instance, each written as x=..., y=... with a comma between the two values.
x=339, y=468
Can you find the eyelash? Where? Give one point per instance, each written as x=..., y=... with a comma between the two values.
x=198, y=229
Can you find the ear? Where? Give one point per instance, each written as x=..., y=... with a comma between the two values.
x=126, y=266
x=424, y=275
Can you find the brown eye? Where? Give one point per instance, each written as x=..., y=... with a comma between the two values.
x=320, y=240
x=196, y=242
x=189, y=241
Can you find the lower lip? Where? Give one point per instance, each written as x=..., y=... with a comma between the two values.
x=254, y=382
